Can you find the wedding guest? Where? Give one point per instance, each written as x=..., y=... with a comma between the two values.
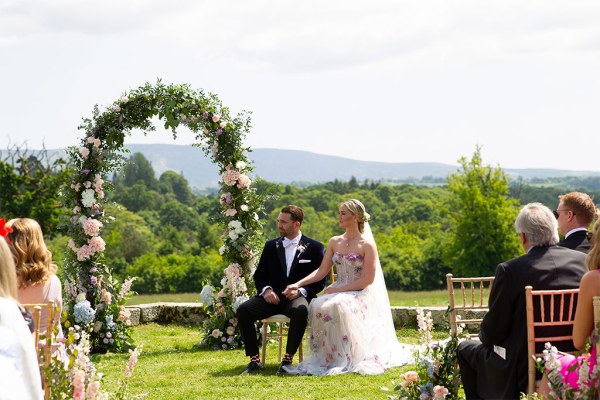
x=19, y=371
x=36, y=274
x=584, y=318
x=283, y=260
x=351, y=325
x=574, y=214
x=496, y=366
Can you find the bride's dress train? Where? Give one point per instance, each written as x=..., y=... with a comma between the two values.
x=353, y=331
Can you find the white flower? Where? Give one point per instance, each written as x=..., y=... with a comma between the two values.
x=216, y=333
x=206, y=295
x=240, y=165
x=124, y=100
x=230, y=330
x=87, y=198
x=223, y=124
x=222, y=249
x=117, y=108
x=244, y=207
x=233, y=235
x=238, y=301
x=216, y=117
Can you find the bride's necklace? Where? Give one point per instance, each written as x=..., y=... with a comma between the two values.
x=348, y=240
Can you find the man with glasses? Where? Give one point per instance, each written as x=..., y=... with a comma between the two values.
x=574, y=214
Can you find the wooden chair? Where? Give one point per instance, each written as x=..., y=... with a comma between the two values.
x=473, y=295
x=43, y=336
x=547, y=308
x=282, y=330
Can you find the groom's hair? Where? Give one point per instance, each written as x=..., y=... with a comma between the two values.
x=296, y=212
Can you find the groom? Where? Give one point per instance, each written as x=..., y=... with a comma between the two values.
x=284, y=260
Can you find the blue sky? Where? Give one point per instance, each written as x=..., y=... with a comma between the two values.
x=395, y=81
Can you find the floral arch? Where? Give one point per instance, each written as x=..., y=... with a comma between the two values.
x=94, y=299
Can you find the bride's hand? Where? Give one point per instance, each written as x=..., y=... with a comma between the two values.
x=290, y=288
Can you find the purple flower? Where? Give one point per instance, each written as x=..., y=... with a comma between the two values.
x=205, y=115
x=85, y=171
x=219, y=131
x=327, y=318
x=93, y=280
x=93, y=269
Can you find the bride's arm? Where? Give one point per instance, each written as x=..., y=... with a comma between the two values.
x=318, y=273
x=368, y=273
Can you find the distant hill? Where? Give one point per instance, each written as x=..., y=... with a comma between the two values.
x=295, y=166
x=304, y=167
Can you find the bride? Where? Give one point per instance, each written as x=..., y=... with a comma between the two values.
x=351, y=326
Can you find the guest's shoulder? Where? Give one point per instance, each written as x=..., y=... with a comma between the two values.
x=567, y=252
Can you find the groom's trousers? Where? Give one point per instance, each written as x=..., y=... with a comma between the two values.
x=257, y=308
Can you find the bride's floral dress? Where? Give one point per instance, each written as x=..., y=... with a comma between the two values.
x=352, y=331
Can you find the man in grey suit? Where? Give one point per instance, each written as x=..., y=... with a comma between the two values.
x=574, y=214
x=496, y=366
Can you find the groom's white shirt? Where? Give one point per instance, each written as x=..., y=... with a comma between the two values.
x=290, y=252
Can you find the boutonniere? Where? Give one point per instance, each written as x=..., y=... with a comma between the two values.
x=301, y=247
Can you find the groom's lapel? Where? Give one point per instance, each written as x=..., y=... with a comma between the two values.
x=281, y=254
x=303, y=246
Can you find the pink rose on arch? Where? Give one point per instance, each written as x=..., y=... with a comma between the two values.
x=243, y=181
x=230, y=212
x=411, y=376
x=85, y=152
x=231, y=176
x=216, y=117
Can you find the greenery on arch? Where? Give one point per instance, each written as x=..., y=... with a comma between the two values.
x=94, y=299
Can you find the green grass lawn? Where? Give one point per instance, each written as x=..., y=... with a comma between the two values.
x=170, y=367
x=397, y=298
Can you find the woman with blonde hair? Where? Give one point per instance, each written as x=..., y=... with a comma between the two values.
x=36, y=275
x=351, y=325
x=19, y=371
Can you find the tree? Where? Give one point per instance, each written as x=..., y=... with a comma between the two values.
x=137, y=169
x=481, y=218
x=172, y=182
x=30, y=184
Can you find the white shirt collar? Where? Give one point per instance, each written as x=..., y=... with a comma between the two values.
x=574, y=230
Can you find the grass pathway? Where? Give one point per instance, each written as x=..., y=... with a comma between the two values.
x=171, y=368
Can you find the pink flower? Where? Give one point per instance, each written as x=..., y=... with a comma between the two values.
x=106, y=296
x=91, y=227
x=243, y=181
x=230, y=176
x=230, y=212
x=78, y=385
x=85, y=152
x=133, y=359
x=92, y=390
x=216, y=117
x=411, y=376
x=440, y=392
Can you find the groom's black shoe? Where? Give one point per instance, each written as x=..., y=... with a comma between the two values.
x=252, y=368
x=281, y=370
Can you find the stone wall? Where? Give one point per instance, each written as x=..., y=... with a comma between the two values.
x=192, y=313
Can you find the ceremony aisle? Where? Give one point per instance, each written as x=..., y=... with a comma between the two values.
x=171, y=368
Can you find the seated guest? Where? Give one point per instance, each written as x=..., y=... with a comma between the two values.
x=496, y=366
x=584, y=319
x=574, y=214
x=19, y=371
x=36, y=274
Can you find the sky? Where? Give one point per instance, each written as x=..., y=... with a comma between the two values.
x=393, y=81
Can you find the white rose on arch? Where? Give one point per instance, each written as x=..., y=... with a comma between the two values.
x=87, y=198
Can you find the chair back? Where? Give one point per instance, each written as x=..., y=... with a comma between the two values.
x=332, y=275
x=597, y=322
x=43, y=336
x=465, y=296
x=545, y=309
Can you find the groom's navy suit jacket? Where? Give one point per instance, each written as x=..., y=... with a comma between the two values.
x=272, y=269
x=576, y=241
x=544, y=268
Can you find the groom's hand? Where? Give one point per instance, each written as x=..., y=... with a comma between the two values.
x=270, y=296
x=289, y=289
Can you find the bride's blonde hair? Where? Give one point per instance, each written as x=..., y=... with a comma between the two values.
x=357, y=208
